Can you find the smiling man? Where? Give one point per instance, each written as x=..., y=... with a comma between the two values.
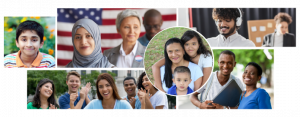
x=217, y=81
x=228, y=21
x=71, y=100
x=130, y=88
x=29, y=38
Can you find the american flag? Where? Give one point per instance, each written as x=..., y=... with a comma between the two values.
x=105, y=18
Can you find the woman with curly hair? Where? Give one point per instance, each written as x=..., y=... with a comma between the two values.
x=228, y=21
x=281, y=37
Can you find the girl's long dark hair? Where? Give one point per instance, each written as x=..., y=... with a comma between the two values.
x=188, y=35
x=168, y=63
x=36, y=99
x=110, y=80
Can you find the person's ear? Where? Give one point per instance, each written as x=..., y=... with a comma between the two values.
x=41, y=45
x=259, y=77
x=17, y=43
x=190, y=80
x=173, y=80
x=234, y=64
x=118, y=30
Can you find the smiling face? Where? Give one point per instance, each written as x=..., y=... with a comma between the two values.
x=129, y=87
x=226, y=64
x=250, y=76
x=130, y=29
x=226, y=27
x=46, y=90
x=105, y=89
x=191, y=47
x=175, y=52
x=182, y=80
x=73, y=83
x=84, y=42
x=282, y=27
x=29, y=43
x=146, y=83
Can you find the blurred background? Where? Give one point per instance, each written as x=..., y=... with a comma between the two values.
x=201, y=19
x=263, y=57
x=10, y=25
x=59, y=79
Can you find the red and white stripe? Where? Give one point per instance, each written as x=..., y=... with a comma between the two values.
x=109, y=36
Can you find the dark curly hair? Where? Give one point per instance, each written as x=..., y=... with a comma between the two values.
x=140, y=81
x=188, y=35
x=258, y=68
x=226, y=13
x=283, y=17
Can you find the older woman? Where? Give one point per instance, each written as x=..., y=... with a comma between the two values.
x=130, y=53
x=280, y=38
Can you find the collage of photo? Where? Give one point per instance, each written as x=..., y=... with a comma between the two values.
x=149, y=58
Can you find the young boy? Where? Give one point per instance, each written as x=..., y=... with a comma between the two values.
x=29, y=38
x=182, y=79
x=71, y=99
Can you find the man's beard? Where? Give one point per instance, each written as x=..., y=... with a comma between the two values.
x=231, y=30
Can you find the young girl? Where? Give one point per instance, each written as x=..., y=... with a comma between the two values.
x=44, y=96
x=87, y=46
x=197, y=53
x=149, y=96
x=108, y=97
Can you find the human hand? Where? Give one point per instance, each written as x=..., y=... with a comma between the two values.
x=132, y=102
x=88, y=87
x=206, y=105
x=83, y=92
x=52, y=106
x=73, y=97
x=142, y=94
x=218, y=106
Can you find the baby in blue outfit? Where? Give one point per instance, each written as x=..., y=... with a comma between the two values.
x=182, y=79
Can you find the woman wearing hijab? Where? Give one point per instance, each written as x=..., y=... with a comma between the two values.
x=87, y=46
x=130, y=53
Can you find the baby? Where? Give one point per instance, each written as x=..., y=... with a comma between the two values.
x=182, y=79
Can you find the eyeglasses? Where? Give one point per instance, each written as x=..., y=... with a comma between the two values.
x=155, y=27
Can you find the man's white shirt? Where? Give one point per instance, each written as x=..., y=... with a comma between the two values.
x=235, y=40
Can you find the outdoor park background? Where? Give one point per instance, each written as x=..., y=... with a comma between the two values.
x=155, y=48
x=10, y=25
x=59, y=79
x=263, y=57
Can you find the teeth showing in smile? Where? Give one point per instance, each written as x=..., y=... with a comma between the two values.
x=247, y=79
x=105, y=93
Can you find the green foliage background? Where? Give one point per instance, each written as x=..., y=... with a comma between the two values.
x=59, y=79
x=10, y=25
x=155, y=49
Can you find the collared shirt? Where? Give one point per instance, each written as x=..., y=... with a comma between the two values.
x=278, y=41
x=144, y=40
x=173, y=91
x=42, y=60
x=235, y=40
x=125, y=61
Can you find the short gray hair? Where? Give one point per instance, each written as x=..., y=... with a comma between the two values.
x=126, y=13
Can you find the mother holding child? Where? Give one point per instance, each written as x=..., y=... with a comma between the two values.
x=190, y=52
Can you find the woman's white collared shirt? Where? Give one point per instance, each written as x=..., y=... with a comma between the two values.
x=235, y=40
x=125, y=61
